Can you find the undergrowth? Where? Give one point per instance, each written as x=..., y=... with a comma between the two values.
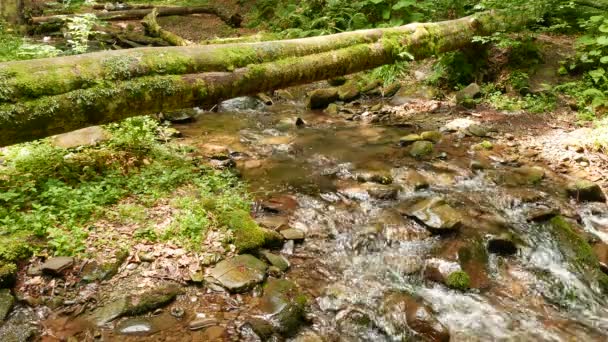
x=55, y=195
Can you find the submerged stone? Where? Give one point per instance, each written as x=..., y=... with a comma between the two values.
x=435, y=214
x=584, y=190
x=405, y=312
x=239, y=274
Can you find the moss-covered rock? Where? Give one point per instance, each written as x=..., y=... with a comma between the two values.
x=584, y=190
x=432, y=136
x=283, y=306
x=348, y=92
x=409, y=139
x=321, y=98
x=6, y=303
x=421, y=149
x=473, y=259
x=458, y=280
x=248, y=236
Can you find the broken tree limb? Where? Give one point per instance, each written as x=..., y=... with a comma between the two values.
x=112, y=101
x=153, y=29
x=232, y=19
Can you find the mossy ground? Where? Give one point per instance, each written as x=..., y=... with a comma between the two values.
x=61, y=196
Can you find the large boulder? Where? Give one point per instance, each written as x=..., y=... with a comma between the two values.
x=239, y=274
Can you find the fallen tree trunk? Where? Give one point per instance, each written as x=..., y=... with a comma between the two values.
x=111, y=7
x=107, y=102
x=153, y=29
x=233, y=20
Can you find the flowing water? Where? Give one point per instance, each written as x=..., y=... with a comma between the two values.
x=359, y=248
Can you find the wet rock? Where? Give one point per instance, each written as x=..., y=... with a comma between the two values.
x=332, y=109
x=473, y=259
x=600, y=250
x=267, y=100
x=383, y=192
x=503, y=244
x=456, y=125
x=283, y=306
x=239, y=274
x=521, y=176
x=292, y=234
x=439, y=270
x=379, y=177
x=6, y=303
x=436, y=214
x=300, y=123
x=348, y=92
x=409, y=139
x=180, y=116
x=405, y=312
x=321, y=98
x=432, y=136
x=272, y=221
x=465, y=96
x=56, y=265
x=222, y=164
x=202, y=323
x=421, y=149
x=584, y=190
x=83, y=137
x=477, y=130
x=276, y=260
x=261, y=327
x=417, y=180
x=539, y=214
x=241, y=104
x=280, y=204
x=136, y=326
x=134, y=304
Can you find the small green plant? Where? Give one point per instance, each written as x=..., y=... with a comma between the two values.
x=79, y=29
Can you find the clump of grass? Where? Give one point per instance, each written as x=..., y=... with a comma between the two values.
x=458, y=280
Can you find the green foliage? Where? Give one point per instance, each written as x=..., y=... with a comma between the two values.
x=593, y=59
x=533, y=103
x=79, y=28
x=52, y=192
x=457, y=69
x=298, y=19
x=13, y=47
x=389, y=73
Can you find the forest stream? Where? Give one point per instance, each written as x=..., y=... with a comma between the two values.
x=458, y=242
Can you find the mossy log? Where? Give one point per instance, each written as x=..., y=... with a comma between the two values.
x=192, y=80
x=232, y=19
x=153, y=29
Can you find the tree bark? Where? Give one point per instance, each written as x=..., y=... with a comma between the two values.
x=103, y=102
x=233, y=20
x=12, y=11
